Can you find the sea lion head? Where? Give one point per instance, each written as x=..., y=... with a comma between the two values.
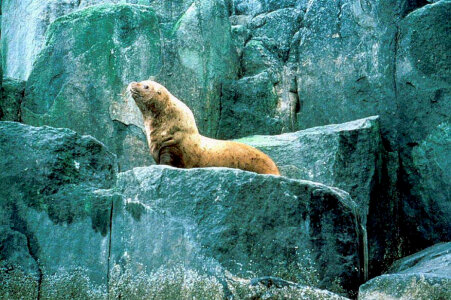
x=150, y=96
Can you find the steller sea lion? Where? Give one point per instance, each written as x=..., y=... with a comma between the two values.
x=174, y=139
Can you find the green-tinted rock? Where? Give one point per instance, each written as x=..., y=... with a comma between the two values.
x=264, y=99
x=249, y=98
x=53, y=213
x=424, y=94
x=249, y=224
x=12, y=94
x=22, y=41
x=77, y=81
x=424, y=275
x=199, y=57
x=349, y=156
x=345, y=63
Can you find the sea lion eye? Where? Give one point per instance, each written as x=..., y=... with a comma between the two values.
x=159, y=92
x=146, y=87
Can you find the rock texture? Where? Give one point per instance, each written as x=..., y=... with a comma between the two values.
x=109, y=46
x=12, y=94
x=349, y=156
x=424, y=275
x=245, y=67
x=214, y=220
x=247, y=223
x=49, y=188
x=423, y=77
x=198, y=57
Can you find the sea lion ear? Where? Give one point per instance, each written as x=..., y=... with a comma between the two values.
x=159, y=92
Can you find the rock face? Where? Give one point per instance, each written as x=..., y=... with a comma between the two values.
x=22, y=41
x=198, y=57
x=424, y=275
x=49, y=188
x=423, y=75
x=247, y=223
x=190, y=50
x=59, y=184
x=349, y=156
x=109, y=46
x=12, y=93
x=263, y=99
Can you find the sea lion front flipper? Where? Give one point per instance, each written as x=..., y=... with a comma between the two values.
x=171, y=156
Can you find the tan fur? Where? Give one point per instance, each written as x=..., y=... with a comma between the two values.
x=174, y=139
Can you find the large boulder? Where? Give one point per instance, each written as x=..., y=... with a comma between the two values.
x=89, y=58
x=423, y=76
x=424, y=275
x=350, y=156
x=222, y=219
x=22, y=41
x=65, y=219
x=54, y=215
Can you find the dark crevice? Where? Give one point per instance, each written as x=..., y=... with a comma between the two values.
x=413, y=5
x=20, y=225
x=220, y=110
x=19, y=107
x=109, y=248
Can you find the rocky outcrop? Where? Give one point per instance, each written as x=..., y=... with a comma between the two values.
x=424, y=275
x=61, y=185
x=50, y=183
x=423, y=75
x=349, y=156
x=263, y=99
x=244, y=221
x=109, y=46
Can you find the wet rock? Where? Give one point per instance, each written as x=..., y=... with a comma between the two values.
x=110, y=46
x=12, y=94
x=54, y=214
x=215, y=219
x=350, y=156
x=424, y=275
x=423, y=75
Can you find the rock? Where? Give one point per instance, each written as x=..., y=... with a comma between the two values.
x=199, y=57
x=433, y=260
x=110, y=46
x=423, y=76
x=12, y=94
x=349, y=156
x=62, y=185
x=345, y=63
x=275, y=288
x=22, y=42
x=424, y=275
x=54, y=213
x=215, y=219
x=263, y=100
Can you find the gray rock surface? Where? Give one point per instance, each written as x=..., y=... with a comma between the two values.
x=423, y=75
x=12, y=94
x=349, y=156
x=61, y=185
x=245, y=222
x=423, y=275
x=53, y=214
x=110, y=46
x=198, y=57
